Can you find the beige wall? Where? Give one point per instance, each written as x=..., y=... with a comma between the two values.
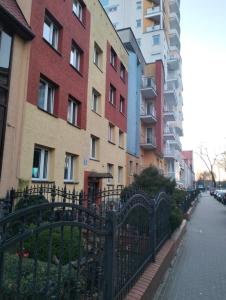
x=17, y=96
x=133, y=167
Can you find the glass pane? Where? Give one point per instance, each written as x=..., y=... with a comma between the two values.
x=72, y=57
x=36, y=163
x=55, y=37
x=66, y=167
x=93, y=150
x=41, y=97
x=50, y=99
x=5, y=49
x=47, y=30
x=45, y=165
x=71, y=168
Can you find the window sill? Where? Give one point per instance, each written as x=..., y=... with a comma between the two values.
x=121, y=147
x=42, y=181
x=111, y=142
x=76, y=70
x=114, y=105
x=76, y=126
x=96, y=113
x=123, y=114
x=94, y=159
x=114, y=67
x=45, y=111
x=98, y=67
x=71, y=182
x=51, y=46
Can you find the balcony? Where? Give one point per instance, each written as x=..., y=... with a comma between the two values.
x=174, y=39
x=148, y=117
x=153, y=13
x=179, y=128
x=170, y=95
x=170, y=154
x=148, y=87
x=169, y=134
x=149, y=143
x=153, y=28
x=173, y=63
x=174, y=23
x=169, y=115
x=176, y=143
x=175, y=7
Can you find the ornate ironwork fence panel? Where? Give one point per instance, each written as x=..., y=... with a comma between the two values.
x=53, y=250
x=132, y=243
x=162, y=219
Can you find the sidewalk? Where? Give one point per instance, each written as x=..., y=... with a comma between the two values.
x=200, y=269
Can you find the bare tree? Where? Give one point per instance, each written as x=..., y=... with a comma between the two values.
x=208, y=161
x=222, y=160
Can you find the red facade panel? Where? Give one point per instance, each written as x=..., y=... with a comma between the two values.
x=159, y=106
x=55, y=65
x=112, y=112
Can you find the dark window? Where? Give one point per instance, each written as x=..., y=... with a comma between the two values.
x=122, y=72
x=112, y=94
x=46, y=96
x=113, y=58
x=122, y=105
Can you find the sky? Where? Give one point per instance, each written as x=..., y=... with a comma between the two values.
x=203, y=51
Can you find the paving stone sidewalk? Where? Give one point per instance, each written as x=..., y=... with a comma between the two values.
x=200, y=269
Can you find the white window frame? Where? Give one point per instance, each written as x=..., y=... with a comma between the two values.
x=113, y=57
x=44, y=157
x=53, y=35
x=75, y=57
x=47, y=98
x=95, y=99
x=93, y=143
x=110, y=170
x=73, y=109
x=149, y=136
x=77, y=9
x=71, y=159
x=111, y=133
x=120, y=175
x=112, y=95
x=121, y=104
x=121, y=139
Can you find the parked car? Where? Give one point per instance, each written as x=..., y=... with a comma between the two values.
x=212, y=190
x=222, y=196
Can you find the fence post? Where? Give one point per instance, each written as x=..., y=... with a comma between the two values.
x=109, y=256
x=154, y=228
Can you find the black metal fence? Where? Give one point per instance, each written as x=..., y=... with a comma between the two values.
x=70, y=245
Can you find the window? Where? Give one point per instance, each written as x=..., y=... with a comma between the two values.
x=113, y=58
x=46, y=96
x=95, y=101
x=112, y=8
x=111, y=133
x=138, y=23
x=97, y=56
x=137, y=167
x=75, y=57
x=130, y=167
x=93, y=147
x=149, y=108
x=112, y=95
x=121, y=139
x=139, y=42
x=122, y=72
x=122, y=105
x=138, y=4
x=40, y=164
x=51, y=32
x=69, y=167
x=78, y=9
x=110, y=169
x=156, y=39
x=149, y=136
x=73, y=111
x=120, y=175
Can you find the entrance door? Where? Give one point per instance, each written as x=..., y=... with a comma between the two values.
x=93, y=188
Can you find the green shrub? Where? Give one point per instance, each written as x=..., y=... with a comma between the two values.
x=9, y=288
x=176, y=217
x=29, y=201
x=43, y=244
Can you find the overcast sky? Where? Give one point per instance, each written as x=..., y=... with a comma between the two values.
x=203, y=51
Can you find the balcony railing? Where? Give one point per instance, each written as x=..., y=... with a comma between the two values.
x=153, y=28
x=169, y=133
x=148, y=143
x=153, y=11
x=170, y=154
x=148, y=87
x=148, y=117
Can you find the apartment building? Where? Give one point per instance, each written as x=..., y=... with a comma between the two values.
x=75, y=122
x=156, y=25
x=15, y=39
